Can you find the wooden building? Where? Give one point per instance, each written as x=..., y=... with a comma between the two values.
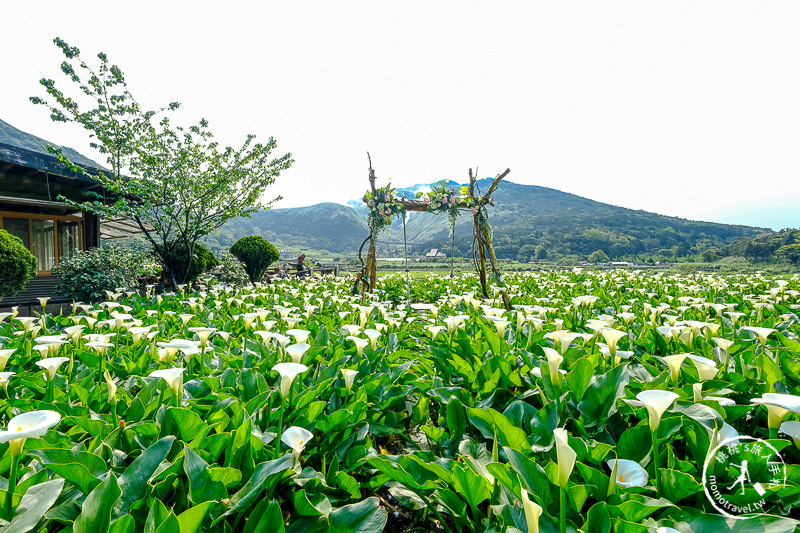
x=31, y=180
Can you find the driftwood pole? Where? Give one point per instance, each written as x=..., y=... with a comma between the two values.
x=481, y=259
x=484, y=239
x=372, y=260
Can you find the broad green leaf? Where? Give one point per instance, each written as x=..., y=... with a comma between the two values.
x=81, y=468
x=123, y=524
x=366, y=516
x=677, y=485
x=34, y=504
x=134, y=481
x=598, y=519
x=191, y=519
x=201, y=487
x=600, y=399
x=311, y=504
x=490, y=423
x=95, y=515
x=189, y=423
x=472, y=487
x=267, y=517
x=264, y=474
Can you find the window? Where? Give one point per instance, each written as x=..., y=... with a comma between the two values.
x=49, y=238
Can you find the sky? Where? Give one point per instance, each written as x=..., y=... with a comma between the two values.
x=684, y=108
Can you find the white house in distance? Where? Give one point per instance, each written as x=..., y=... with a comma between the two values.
x=433, y=254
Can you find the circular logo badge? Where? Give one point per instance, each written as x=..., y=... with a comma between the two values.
x=742, y=475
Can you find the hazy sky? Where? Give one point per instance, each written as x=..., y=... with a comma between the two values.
x=685, y=108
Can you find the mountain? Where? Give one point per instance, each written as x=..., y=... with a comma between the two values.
x=528, y=222
x=328, y=226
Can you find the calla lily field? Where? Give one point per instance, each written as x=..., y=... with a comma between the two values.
x=601, y=401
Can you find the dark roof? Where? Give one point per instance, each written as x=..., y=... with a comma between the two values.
x=29, y=151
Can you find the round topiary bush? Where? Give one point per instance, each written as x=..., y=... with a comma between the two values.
x=256, y=253
x=17, y=265
x=203, y=261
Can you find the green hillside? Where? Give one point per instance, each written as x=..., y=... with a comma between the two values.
x=529, y=222
x=328, y=226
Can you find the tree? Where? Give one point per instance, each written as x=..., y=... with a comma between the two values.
x=176, y=183
x=256, y=253
x=598, y=256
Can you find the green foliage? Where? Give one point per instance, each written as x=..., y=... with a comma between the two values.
x=186, y=267
x=437, y=420
x=233, y=271
x=17, y=265
x=179, y=184
x=764, y=247
x=256, y=253
x=88, y=274
x=789, y=252
x=598, y=256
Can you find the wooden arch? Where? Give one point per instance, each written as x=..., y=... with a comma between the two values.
x=483, y=248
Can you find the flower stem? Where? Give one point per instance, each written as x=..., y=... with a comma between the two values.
x=562, y=504
x=12, y=484
x=280, y=430
x=656, y=466
x=51, y=390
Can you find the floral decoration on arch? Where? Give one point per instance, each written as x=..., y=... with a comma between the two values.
x=383, y=207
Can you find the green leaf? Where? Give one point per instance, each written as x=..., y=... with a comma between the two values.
x=191, y=519
x=35, y=503
x=189, y=423
x=311, y=504
x=95, y=514
x=599, y=401
x=580, y=375
x=363, y=517
x=490, y=423
x=78, y=467
x=267, y=517
x=133, y=482
x=678, y=485
x=123, y=524
x=201, y=487
x=597, y=519
x=532, y=475
x=472, y=487
x=265, y=472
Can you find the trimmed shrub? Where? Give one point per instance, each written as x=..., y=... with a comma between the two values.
x=17, y=265
x=256, y=253
x=203, y=261
x=86, y=275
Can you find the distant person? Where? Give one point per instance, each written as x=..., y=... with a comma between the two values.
x=300, y=265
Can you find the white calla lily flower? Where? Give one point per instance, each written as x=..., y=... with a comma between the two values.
x=565, y=455
x=31, y=425
x=296, y=438
x=778, y=406
x=532, y=512
x=296, y=351
x=288, y=372
x=349, y=377
x=628, y=473
x=656, y=402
